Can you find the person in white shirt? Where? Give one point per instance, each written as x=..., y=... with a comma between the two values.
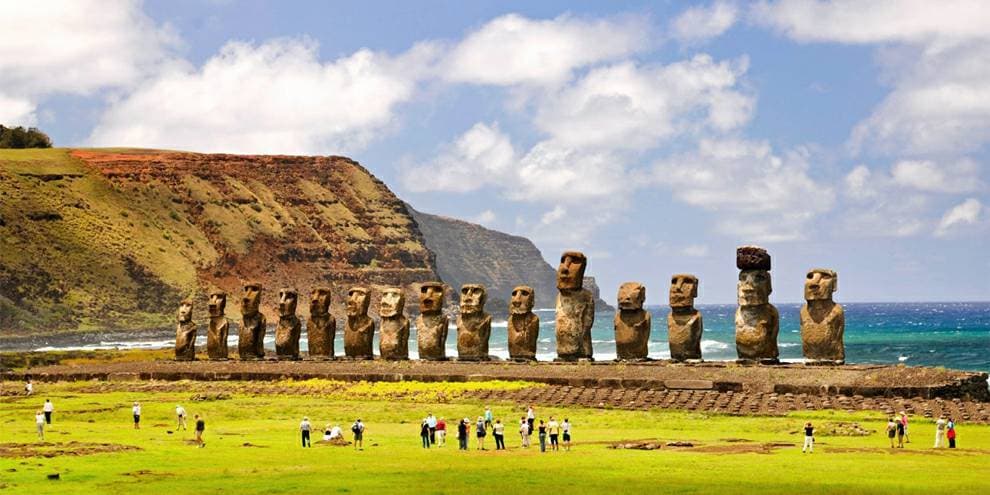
x=358, y=429
x=498, y=431
x=553, y=428
x=180, y=417
x=531, y=419
x=336, y=433
x=39, y=420
x=431, y=423
x=136, y=411
x=28, y=388
x=939, y=432
x=565, y=429
x=48, y=408
x=524, y=431
x=305, y=428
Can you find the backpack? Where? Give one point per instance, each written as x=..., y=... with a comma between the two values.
x=355, y=428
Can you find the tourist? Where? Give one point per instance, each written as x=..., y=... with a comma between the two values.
x=565, y=429
x=904, y=421
x=482, y=431
x=200, y=428
x=498, y=431
x=180, y=417
x=337, y=434
x=950, y=433
x=809, y=438
x=358, y=430
x=939, y=432
x=424, y=434
x=891, y=431
x=524, y=431
x=462, y=434
x=305, y=428
x=554, y=429
x=542, y=430
x=28, y=387
x=900, y=434
x=136, y=411
x=39, y=421
x=488, y=417
x=327, y=433
x=431, y=423
x=531, y=418
x=441, y=432
x=48, y=409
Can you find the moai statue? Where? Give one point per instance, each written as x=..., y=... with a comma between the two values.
x=251, y=339
x=216, y=334
x=185, y=333
x=632, y=323
x=321, y=328
x=823, y=322
x=393, y=331
x=431, y=324
x=684, y=325
x=524, y=325
x=289, y=328
x=757, y=321
x=474, y=326
x=575, y=309
x=359, y=330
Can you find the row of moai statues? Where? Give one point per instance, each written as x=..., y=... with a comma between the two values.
x=757, y=321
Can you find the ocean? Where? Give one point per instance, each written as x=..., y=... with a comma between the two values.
x=952, y=335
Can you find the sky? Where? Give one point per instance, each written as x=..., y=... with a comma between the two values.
x=653, y=136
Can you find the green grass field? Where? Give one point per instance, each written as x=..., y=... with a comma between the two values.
x=253, y=447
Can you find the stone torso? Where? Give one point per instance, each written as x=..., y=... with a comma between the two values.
x=251, y=338
x=756, y=332
x=473, y=332
x=822, y=328
x=216, y=337
x=394, y=338
x=287, y=335
x=632, y=333
x=359, y=332
x=320, y=331
x=524, y=330
x=575, y=316
x=684, y=330
x=431, y=335
x=185, y=341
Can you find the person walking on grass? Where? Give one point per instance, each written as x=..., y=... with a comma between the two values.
x=48, y=409
x=180, y=417
x=136, y=411
x=940, y=432
x=565, y=429
x=200, y=429
x=481, y=432
x=441, y=432
x=904, y=421
x=542, y=431
x=462, y=434
x=431, y=423
x=305, y=427
x=809, y=438
x=554, y=429
x=531, y=419
x=29, y=388
x=488, y=417
x=498, y=431
x=891, y=431
x=900, y=434
x=950, y=433
x=524, y=431
x=424, y=434
x=358, y=430
x=39, y=421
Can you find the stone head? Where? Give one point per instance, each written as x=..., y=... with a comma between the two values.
x=185, y=311
x=251, y=300
x=472, y=299
x=218, y=303
x=319, y=301
x=392, y=303
x=287, y=301
x=570, y=272
x=754, y=287
x=683, y=290
x=430, y=297
x=820, y=284
x=522, y=300
x=632, y=295
x=358, y=300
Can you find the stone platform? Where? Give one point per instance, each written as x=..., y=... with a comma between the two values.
x=795, y=379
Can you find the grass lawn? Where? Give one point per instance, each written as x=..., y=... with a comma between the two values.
x=252, y=447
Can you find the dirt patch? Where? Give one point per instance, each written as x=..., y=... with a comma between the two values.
x=48, y=450
x=144, y=474
x=249, y=444
x=741, y=448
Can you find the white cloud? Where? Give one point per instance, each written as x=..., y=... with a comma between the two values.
x=700, y=24
x=926, y=175
x=695, y=250
x=16, y=111
x=550, y=172
x=483, y=154
x=553, y=215
x=276, y=97
x=513, y=49
x=965, y=213
x=486, y=217
x=859, y=184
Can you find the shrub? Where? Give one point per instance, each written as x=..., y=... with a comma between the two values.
x=19, y=137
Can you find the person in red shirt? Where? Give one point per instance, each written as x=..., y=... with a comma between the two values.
x=441, y=432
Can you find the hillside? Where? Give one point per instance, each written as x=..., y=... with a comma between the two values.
x=114, y=239
x=470, y=253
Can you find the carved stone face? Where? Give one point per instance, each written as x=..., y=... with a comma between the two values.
x=820, y=284
x=570, y=272
x=319, y=301
x=683, y=290
x=754, y=287
x=522, y=300
x=251, y=300
x=218, y=303
x=472, y=299
x=357, y=301
x=631, y=296
x=430, y=297
x=185, y=311
x=287, y=300
x=392, y=303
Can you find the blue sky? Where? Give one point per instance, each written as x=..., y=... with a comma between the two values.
x=653, y=136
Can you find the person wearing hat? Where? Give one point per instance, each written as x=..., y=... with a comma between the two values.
x=305, y=428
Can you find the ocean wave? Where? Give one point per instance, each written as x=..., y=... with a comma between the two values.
x=713, y=345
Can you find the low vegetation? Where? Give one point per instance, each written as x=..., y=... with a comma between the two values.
x=20, y=138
